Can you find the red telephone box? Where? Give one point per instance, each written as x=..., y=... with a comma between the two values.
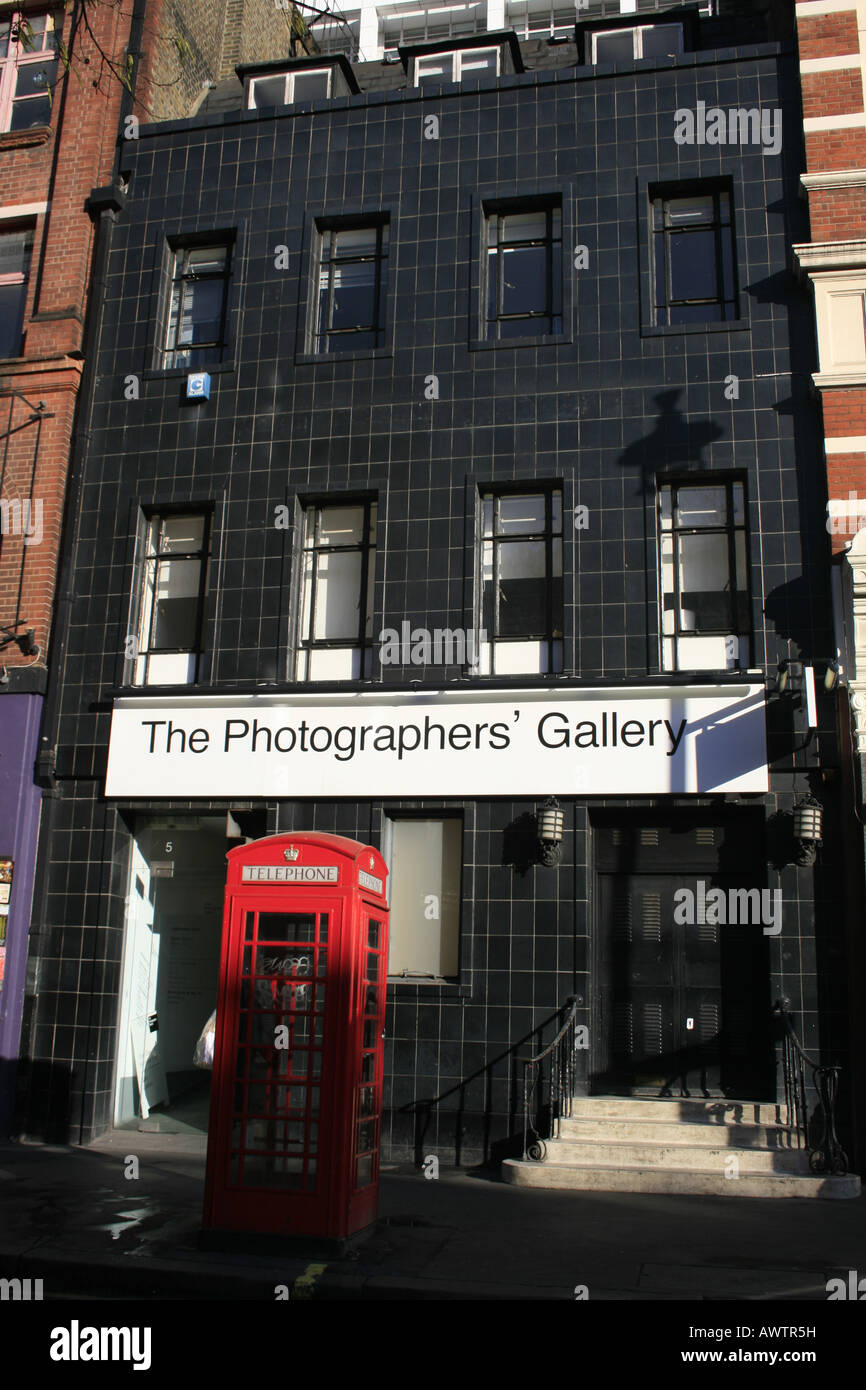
x=296, y=1104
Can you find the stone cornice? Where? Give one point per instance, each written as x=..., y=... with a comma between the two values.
x=830, y=255
x=834, y=179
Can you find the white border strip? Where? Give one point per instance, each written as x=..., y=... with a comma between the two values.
x=846, y=444
x=840, y=122
x=850, y=60
x=806, y=8
x=22, y=210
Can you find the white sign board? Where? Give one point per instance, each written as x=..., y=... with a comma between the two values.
x=619, y=742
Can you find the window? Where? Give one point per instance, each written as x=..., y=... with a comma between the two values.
x=453, y=67
x=521, y=583
x=336, y=622
x=694, y=279
x=16, y=247
x=646, y=41
x=425, y=862
x=195, y=331
x=28, y=70
x=171, y=601
x=280, y=89
x=350, y=310
x=704, y=577
x=524, y=271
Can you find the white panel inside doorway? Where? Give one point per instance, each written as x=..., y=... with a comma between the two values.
x=171, y=967
x=141, y=1074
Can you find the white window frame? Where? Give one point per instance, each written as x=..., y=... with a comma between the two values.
x=637, y=33
x=351, y=658
x=457, y=55
x=183, y=662
x=448, y=902
x=289, y=84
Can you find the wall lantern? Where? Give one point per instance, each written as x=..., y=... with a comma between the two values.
x=550, y=822
x=808, y=819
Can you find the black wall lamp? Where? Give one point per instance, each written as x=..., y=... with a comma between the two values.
x=550, y=822
x=808, y=823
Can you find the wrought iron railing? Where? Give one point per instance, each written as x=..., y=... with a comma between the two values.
x=826, y=1154
x=553, y=1098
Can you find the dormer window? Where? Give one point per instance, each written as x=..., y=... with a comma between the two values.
x=434, y=68
x=644, y=41
x=282, y=88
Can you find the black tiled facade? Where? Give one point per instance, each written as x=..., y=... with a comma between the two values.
x=605, y=412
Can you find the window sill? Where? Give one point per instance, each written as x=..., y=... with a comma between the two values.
x=168, y=373
x=21, y=139
x=671, y=329
x=453, y=987
x=535, y=340
x=304, y=359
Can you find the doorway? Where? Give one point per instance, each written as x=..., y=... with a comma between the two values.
x=682, y=993
x=170, y=970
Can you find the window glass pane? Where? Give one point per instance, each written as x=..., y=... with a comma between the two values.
x=176, y=609
x=4, y=38
x=200, y=305
x=556, y=513
x=690, y=211
x=522, y=588
x=739, y=504
x=704, y=583
x=701, y=506
x=338, y=592
x=360, y=241
x=15, y=249
x=341, y=526
x=661, y=40
x=311, y=86
x=487, y=516
x=524, y=280
x=33, y=79
x=12, y=301
x=742, y=616
x=425, y=865
x=693, y=265
x=25, y=114
x=615, y=46
x=433, y=70
x=524, y=226
x=181, y=533
x=206, y=260
x=41, y=34
x=269, y=91
x=521, y=514
x=727, y=264
x=665, y=508
x=483, y=61
x=353, y=301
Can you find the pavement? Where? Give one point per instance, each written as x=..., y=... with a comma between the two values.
x=71, y=1217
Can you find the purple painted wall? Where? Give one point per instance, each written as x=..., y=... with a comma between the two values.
x=19, y=825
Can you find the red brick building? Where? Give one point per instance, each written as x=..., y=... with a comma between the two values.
x=832, y=44
x=68, y=82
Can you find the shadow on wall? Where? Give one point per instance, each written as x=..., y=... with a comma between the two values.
x=44, y=1102
x=427, y=1110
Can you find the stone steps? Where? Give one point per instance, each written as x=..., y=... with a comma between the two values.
x=677, y=1147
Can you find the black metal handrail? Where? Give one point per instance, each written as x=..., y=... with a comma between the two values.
x=561, y=1080
x=827, y=1155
